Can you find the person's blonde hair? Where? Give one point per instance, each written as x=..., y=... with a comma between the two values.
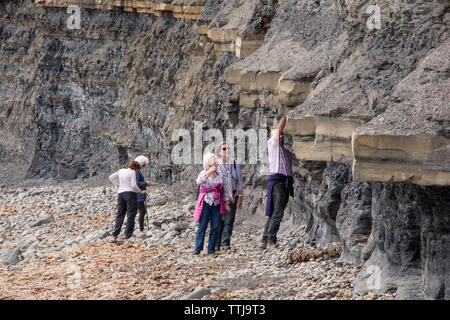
x=207, y=159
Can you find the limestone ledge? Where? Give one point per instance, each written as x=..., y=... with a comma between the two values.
x=180, y=11
x=268, y=88
x=323, y=138
x=228, y=40
x=418, y=159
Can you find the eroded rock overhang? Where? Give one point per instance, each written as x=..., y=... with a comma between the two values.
x=357, y=102
x=409, y=142
x=229, y=25
x=236, y=26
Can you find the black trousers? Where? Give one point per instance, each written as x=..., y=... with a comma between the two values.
x=280, y=198
x=226, y=226
x=127, y=205
x=142, y=208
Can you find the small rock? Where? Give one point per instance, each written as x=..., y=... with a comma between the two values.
x=180, y=226
x=43, y=220
x=103, y=234
x=198, y=293
x=141, y=235
x=157, y=223
x=12, y=256
x=15, y=268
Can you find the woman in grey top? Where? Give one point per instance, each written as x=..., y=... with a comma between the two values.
x=234, y=187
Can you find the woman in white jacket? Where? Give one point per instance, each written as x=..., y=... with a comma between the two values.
x=125, y=180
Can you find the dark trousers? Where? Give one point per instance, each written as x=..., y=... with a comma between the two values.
x=127, y=205
x=209, y=213
x=142, y=208
x=280, y=198
x=226, y=226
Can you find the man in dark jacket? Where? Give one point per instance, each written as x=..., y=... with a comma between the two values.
x=142, y=184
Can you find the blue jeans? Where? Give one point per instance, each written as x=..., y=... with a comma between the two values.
x=209, y=213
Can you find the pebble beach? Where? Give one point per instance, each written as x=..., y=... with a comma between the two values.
x=56, y=244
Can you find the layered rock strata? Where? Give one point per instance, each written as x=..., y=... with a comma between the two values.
x=236, y=26
x=357, y=99
x=177, y=9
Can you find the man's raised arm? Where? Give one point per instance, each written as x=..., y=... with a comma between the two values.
x=282, y=124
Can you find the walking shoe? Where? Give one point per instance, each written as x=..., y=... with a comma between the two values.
x=196, y=252
x=272, y=245
x=263, y=245
x=217, y=248
x=225, y=248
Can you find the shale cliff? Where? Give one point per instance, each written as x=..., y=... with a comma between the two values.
x=365, y=86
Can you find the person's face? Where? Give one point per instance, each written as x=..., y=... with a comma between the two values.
x=213, y=162
x=142, y=166
x=224, y=152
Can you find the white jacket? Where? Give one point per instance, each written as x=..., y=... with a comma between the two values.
x=125, y=179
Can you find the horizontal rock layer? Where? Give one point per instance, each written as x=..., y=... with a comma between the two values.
x=191, y=11
x=323, y=138
x=228, y=40
x=407, y=159
x=417, y=159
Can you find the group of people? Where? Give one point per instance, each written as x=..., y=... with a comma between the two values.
x=132, y=193
x=220, y=194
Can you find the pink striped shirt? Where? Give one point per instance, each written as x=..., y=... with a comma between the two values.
x=280, y=158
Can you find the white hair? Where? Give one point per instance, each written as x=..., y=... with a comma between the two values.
x=207, y=159
x=142, y=160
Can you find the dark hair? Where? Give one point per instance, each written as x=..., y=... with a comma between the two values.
x=134, y=165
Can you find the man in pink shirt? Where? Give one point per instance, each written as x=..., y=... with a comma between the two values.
x=280, y=184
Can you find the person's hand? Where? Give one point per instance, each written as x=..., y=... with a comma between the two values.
x=239, y=202
x=212, y=169
x=143, y=192
x=227, y=206
x=149, y=183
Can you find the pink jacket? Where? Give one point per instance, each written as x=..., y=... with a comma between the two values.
x=218, y=192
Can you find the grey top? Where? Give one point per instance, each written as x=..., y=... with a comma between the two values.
x=235, y=173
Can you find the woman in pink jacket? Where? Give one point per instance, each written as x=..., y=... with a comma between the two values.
x=211, y=204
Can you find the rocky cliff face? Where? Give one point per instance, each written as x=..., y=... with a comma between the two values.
x=368, y=109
